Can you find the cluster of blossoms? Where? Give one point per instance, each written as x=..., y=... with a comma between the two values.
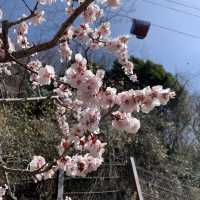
x=79, y=165
x=65, y=51
x=85, y=81
x=82, y=94
x=40, y=75
x=144, y=100
x=22, y=31
x=89, y=99
x=92, y=13
x=23, y=28
x=38, y=18
x=99, y=38
x=38, y=162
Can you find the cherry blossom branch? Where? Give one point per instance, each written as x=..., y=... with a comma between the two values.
x=21, y=64
x=80, y=88
x=10, y=24
x=32, y=71
x=17, y=171
x=6, y=25
x=53, y=42
x=45, y=168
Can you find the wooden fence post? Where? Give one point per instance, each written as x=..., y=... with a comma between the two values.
x=136, y=179
x=61, y=176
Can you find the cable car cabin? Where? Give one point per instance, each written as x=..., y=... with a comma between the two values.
x=140, y=28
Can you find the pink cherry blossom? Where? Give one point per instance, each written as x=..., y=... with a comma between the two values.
x=45, y=75
x=37, y=162
x=124, y=121
x=107, y=98
x=113, y=3
x=22, y=28
x=155, y=96
x=104, y=29
x=127, y=102
x=64, y=145
x=92, y=12
x=65, y=51
x=95, y=147
x=164, y=95
x=43, y=2
x=39, y=18
x=22, y=31
x=34, y=65
x=82, y=32
x=90, y=119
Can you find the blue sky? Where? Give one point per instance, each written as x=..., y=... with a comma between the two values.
x=178, y=53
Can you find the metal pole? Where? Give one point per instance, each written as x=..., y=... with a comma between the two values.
x=60, y=184
x=136, y=179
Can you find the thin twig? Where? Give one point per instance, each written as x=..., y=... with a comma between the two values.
x=10, y=24
x=27, y=6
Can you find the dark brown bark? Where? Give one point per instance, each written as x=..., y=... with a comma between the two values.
x=54, y=41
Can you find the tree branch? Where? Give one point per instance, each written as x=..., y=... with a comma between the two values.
x=10, y=24
x=5, y=28
x=53, y=42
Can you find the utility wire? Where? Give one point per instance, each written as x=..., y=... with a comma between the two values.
x=176, y=31
x=183, y=4
x=166, y=28
x=171, y=8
